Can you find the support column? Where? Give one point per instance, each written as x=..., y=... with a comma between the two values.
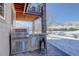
x=43, y=20
x=33, y=26
x=44, y=27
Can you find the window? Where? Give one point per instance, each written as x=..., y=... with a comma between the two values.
x=2, y=9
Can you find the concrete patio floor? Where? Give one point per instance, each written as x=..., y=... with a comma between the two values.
x=51, y=51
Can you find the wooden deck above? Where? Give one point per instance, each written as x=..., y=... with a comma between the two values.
x=25, y=16
x=22, y=15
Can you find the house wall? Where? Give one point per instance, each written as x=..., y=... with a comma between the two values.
x=5, y=26
x=38, y=25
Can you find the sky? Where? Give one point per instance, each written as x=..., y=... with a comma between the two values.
x=59, y=13
x=23, y=24
x=62, y=12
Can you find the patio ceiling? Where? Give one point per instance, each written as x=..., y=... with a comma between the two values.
x=22, y=15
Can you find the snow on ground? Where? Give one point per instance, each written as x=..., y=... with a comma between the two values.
x=65, y=34
x=69, y=45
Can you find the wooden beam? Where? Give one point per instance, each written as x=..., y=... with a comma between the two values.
x=26, y=6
